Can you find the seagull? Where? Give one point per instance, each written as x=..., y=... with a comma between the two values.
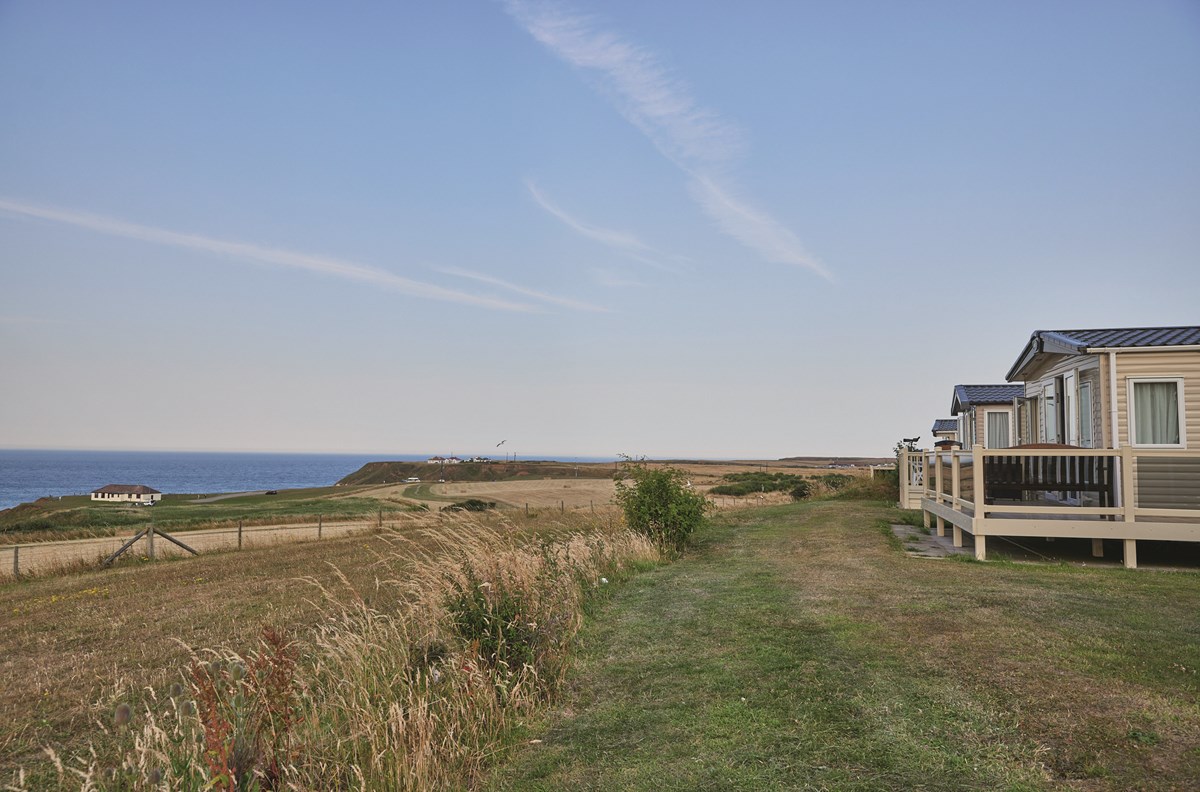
x=502, y=442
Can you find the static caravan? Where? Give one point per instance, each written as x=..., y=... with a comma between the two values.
x=985, y=415
x=1106, y=444
x=1111, y=388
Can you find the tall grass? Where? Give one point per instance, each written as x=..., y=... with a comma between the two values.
x=414, y=697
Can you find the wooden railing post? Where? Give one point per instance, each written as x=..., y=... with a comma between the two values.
x=1128, y=493
x=978, y=460
x=937, y=465
x=955, y=477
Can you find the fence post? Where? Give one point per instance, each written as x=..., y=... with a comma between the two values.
x=381, y=518
x=526, y=509
x=150, y=541
x=239, y=534
x=562, y=507
x=592, y=506
x=16, y=561
x=320, y=525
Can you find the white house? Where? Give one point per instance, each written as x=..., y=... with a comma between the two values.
x=126, y=493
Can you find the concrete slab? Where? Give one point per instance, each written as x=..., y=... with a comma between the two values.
x=919, y=544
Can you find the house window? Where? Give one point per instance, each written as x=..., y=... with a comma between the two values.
x=999, y=435
x=1156, y=412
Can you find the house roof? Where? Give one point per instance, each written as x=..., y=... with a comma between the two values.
x=127, y=489
x=1078, y=342
x=967, y=396
x=945, y=425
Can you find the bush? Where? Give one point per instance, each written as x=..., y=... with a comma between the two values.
x=497, y=616
x=660, y=504
x=472, y=505
x=754, y=482
x=834, y=482
x=801, y=491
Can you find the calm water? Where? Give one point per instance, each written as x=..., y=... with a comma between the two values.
x=28, y=475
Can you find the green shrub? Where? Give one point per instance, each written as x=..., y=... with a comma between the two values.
x=834, y=481
x=496, y=615
x=660, y=505
x=801, y=491
x=472, y=505
x=752, y=482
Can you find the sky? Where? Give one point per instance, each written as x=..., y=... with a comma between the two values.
x=671, y=229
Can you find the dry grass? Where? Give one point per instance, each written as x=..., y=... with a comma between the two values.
x=74, y=646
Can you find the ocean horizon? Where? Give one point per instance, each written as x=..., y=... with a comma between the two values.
x=29, y=474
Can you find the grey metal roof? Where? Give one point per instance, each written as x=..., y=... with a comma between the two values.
x=127, y=489
x=1128, y=337
x=966, y=396
x=1075, y=342
x=945, y=425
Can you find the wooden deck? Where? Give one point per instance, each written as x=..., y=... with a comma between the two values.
x=1127, y=494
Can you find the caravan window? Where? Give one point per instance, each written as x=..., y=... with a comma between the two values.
x=1156, y=413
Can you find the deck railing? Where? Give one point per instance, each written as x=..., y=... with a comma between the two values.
x=1151, y=488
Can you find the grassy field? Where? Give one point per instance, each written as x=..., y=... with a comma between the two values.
x=72, y=646
x=799, y=648
x=795, y=647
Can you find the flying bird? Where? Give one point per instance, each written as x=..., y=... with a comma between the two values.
x=502, y=442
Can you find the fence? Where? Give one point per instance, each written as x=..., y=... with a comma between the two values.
x=41, y=557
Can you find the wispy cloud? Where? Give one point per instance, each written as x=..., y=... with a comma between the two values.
x=614, y=279
x=552, y=299
x=696, y=140
x=323, y=265
x=627, y=243
x=753, y=228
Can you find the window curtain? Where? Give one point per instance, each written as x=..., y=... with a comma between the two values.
x=1156, y=413
x=997, y=430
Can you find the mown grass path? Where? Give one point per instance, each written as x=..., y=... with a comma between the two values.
x=797, y=648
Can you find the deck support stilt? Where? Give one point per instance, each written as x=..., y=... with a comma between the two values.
x=957, y=536
x=1131, y=553
x=1097, y=548
x=925, y=518
x=980, y=548
x=941, y=526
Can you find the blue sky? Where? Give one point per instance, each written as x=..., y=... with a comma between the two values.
x=672, y=229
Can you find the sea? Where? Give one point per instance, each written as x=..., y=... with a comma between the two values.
x=28, y=475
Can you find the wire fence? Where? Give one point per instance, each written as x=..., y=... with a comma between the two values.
x=46, y=557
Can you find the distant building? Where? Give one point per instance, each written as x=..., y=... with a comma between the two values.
x=435, y=460
x=126, y=493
